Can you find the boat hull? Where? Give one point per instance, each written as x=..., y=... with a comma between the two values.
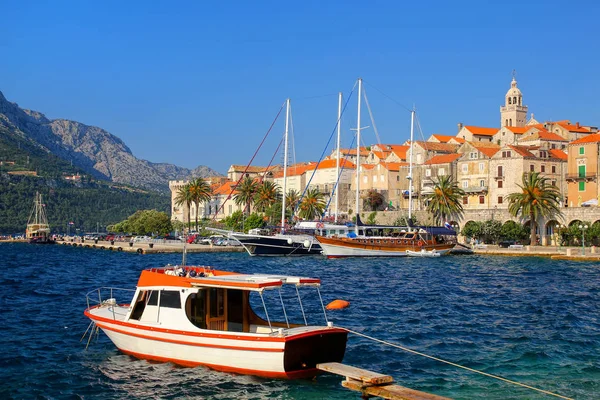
x=289, y=356
x=275, y=246
x=342, y=247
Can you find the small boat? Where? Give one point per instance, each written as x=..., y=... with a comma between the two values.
x=38, y=230
x=196, y=315
x=423, y=253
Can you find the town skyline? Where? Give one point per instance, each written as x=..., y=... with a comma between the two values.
x=172, y=84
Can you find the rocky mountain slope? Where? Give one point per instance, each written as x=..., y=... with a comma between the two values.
x=93, y=149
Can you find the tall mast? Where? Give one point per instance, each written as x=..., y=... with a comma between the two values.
x=337, y=166
x=285, y=162
x=358, y=151
x=410, y=166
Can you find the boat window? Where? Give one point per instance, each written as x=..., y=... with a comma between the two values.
x=195, y=308
x=170, y=299
x=235, y=310
x=216, y=309
x=140, y=304
x=153, y=300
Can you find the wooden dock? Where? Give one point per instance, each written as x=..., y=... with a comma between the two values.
x=373, y=384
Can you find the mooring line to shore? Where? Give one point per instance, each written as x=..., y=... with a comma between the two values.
x=456, y=365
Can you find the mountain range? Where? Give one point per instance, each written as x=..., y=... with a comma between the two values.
x=94, y=150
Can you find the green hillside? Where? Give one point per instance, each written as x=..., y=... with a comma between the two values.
x=86, y=202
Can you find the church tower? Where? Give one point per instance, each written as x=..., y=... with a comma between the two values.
x=513, y=112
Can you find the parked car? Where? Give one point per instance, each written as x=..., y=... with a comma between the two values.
x=506, y=243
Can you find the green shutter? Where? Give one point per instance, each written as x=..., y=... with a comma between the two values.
x=582, y=171
x=581, y=150
x=582, y=186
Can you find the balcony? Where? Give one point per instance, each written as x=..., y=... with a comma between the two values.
x=427, y=189
x=499, y=177
x=588, y=176
x=475, y=189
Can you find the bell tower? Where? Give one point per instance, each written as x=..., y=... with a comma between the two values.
x=513, y=112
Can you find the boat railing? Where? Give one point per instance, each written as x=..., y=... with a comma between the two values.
x=107, y=296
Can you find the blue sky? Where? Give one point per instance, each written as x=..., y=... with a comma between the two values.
x=199, y=83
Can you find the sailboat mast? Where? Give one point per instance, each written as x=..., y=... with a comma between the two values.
x=358, y=151
x=337, y=165
x=410, y=166
x=285, y=163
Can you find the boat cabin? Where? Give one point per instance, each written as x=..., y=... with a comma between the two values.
x=201, y=297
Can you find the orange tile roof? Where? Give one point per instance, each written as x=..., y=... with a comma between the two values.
x=295, y=170
x=253, y=169
x=545, y=135
x=518, y=129
x=225, y=188
x=367, y=166
x=458, y=139
x=556, y=153
x=346, y=164
x=400, y=150
x=522, y=150
x=481, y=131
x=573, y=128
x=443, y=138
x=439, y=147
x=393, y=166
x=381, y=154
x=488, y=149
x=442, y=159
x=352, y=152
x=592, y=138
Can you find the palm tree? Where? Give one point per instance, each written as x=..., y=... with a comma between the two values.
x=200, y=192
x=245, y=193
x=184, y=196
x=266, y=195
x=536, y=199
x=312, y=205
x=292, y=199
x=445, y=201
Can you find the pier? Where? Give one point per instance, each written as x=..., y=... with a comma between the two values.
x=149, y=247
x=373, y=384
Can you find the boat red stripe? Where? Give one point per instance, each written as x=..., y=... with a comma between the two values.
x=174, y=341
x=267, y=374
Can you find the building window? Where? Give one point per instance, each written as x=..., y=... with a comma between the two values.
x=582, y=186
x=465, y=200
x=482, y=183
x=554, y=169
x=465, y=168
x=374, y=178
x=553, y=183
x=532, y=168
x=441, y=172
x=481, y=167
x=365, y=179
x=465, y=184
x=506, y=154
x=230, y=209
x=581, y=171
x=397, y=178
x=473, y=154
x=500, y=171
x=427, y=172
x=500, y=198
x=543, y=168
x=582, y=150
x=499, y=184
x=381, y=177
x=481, y=199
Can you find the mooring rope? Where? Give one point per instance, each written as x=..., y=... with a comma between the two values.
x=455, y=365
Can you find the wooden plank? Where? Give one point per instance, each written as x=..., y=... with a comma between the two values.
x=392, y=392
x=357, y=374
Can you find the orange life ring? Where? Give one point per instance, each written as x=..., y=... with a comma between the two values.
x=420, y=244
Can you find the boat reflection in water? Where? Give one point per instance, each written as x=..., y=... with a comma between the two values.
x=201, y=316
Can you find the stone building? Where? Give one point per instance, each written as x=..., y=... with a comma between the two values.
x=582, y=174
x=473, y=173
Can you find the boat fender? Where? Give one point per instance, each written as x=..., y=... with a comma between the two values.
x=420, y=244
x=119, y=249
x=181, y=272
x=337, y=304
x=290, y=241
x=202, y=275
x=307, y=243
x=192, y=274
x=140, y=251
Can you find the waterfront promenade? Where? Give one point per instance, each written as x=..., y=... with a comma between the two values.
x=149, y=247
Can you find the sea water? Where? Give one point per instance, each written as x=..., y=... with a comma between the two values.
x=532, y=320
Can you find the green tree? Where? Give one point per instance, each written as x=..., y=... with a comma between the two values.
x=184, y=197
x=292, y=200
x=200, y=192
x=536, y=199
x=373, y=200
x=446, y=200
x=239, y=222
x=144, y=222
x=267, y=194
x=371, y=219
x=472, y=230
x=312, y=205
x=512, y=230
x=490, y=231
x=245, y=193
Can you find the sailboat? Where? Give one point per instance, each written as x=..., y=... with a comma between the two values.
x=38, y=230
x=370, y=241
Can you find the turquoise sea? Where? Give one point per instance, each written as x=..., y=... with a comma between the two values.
x=532, y=320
